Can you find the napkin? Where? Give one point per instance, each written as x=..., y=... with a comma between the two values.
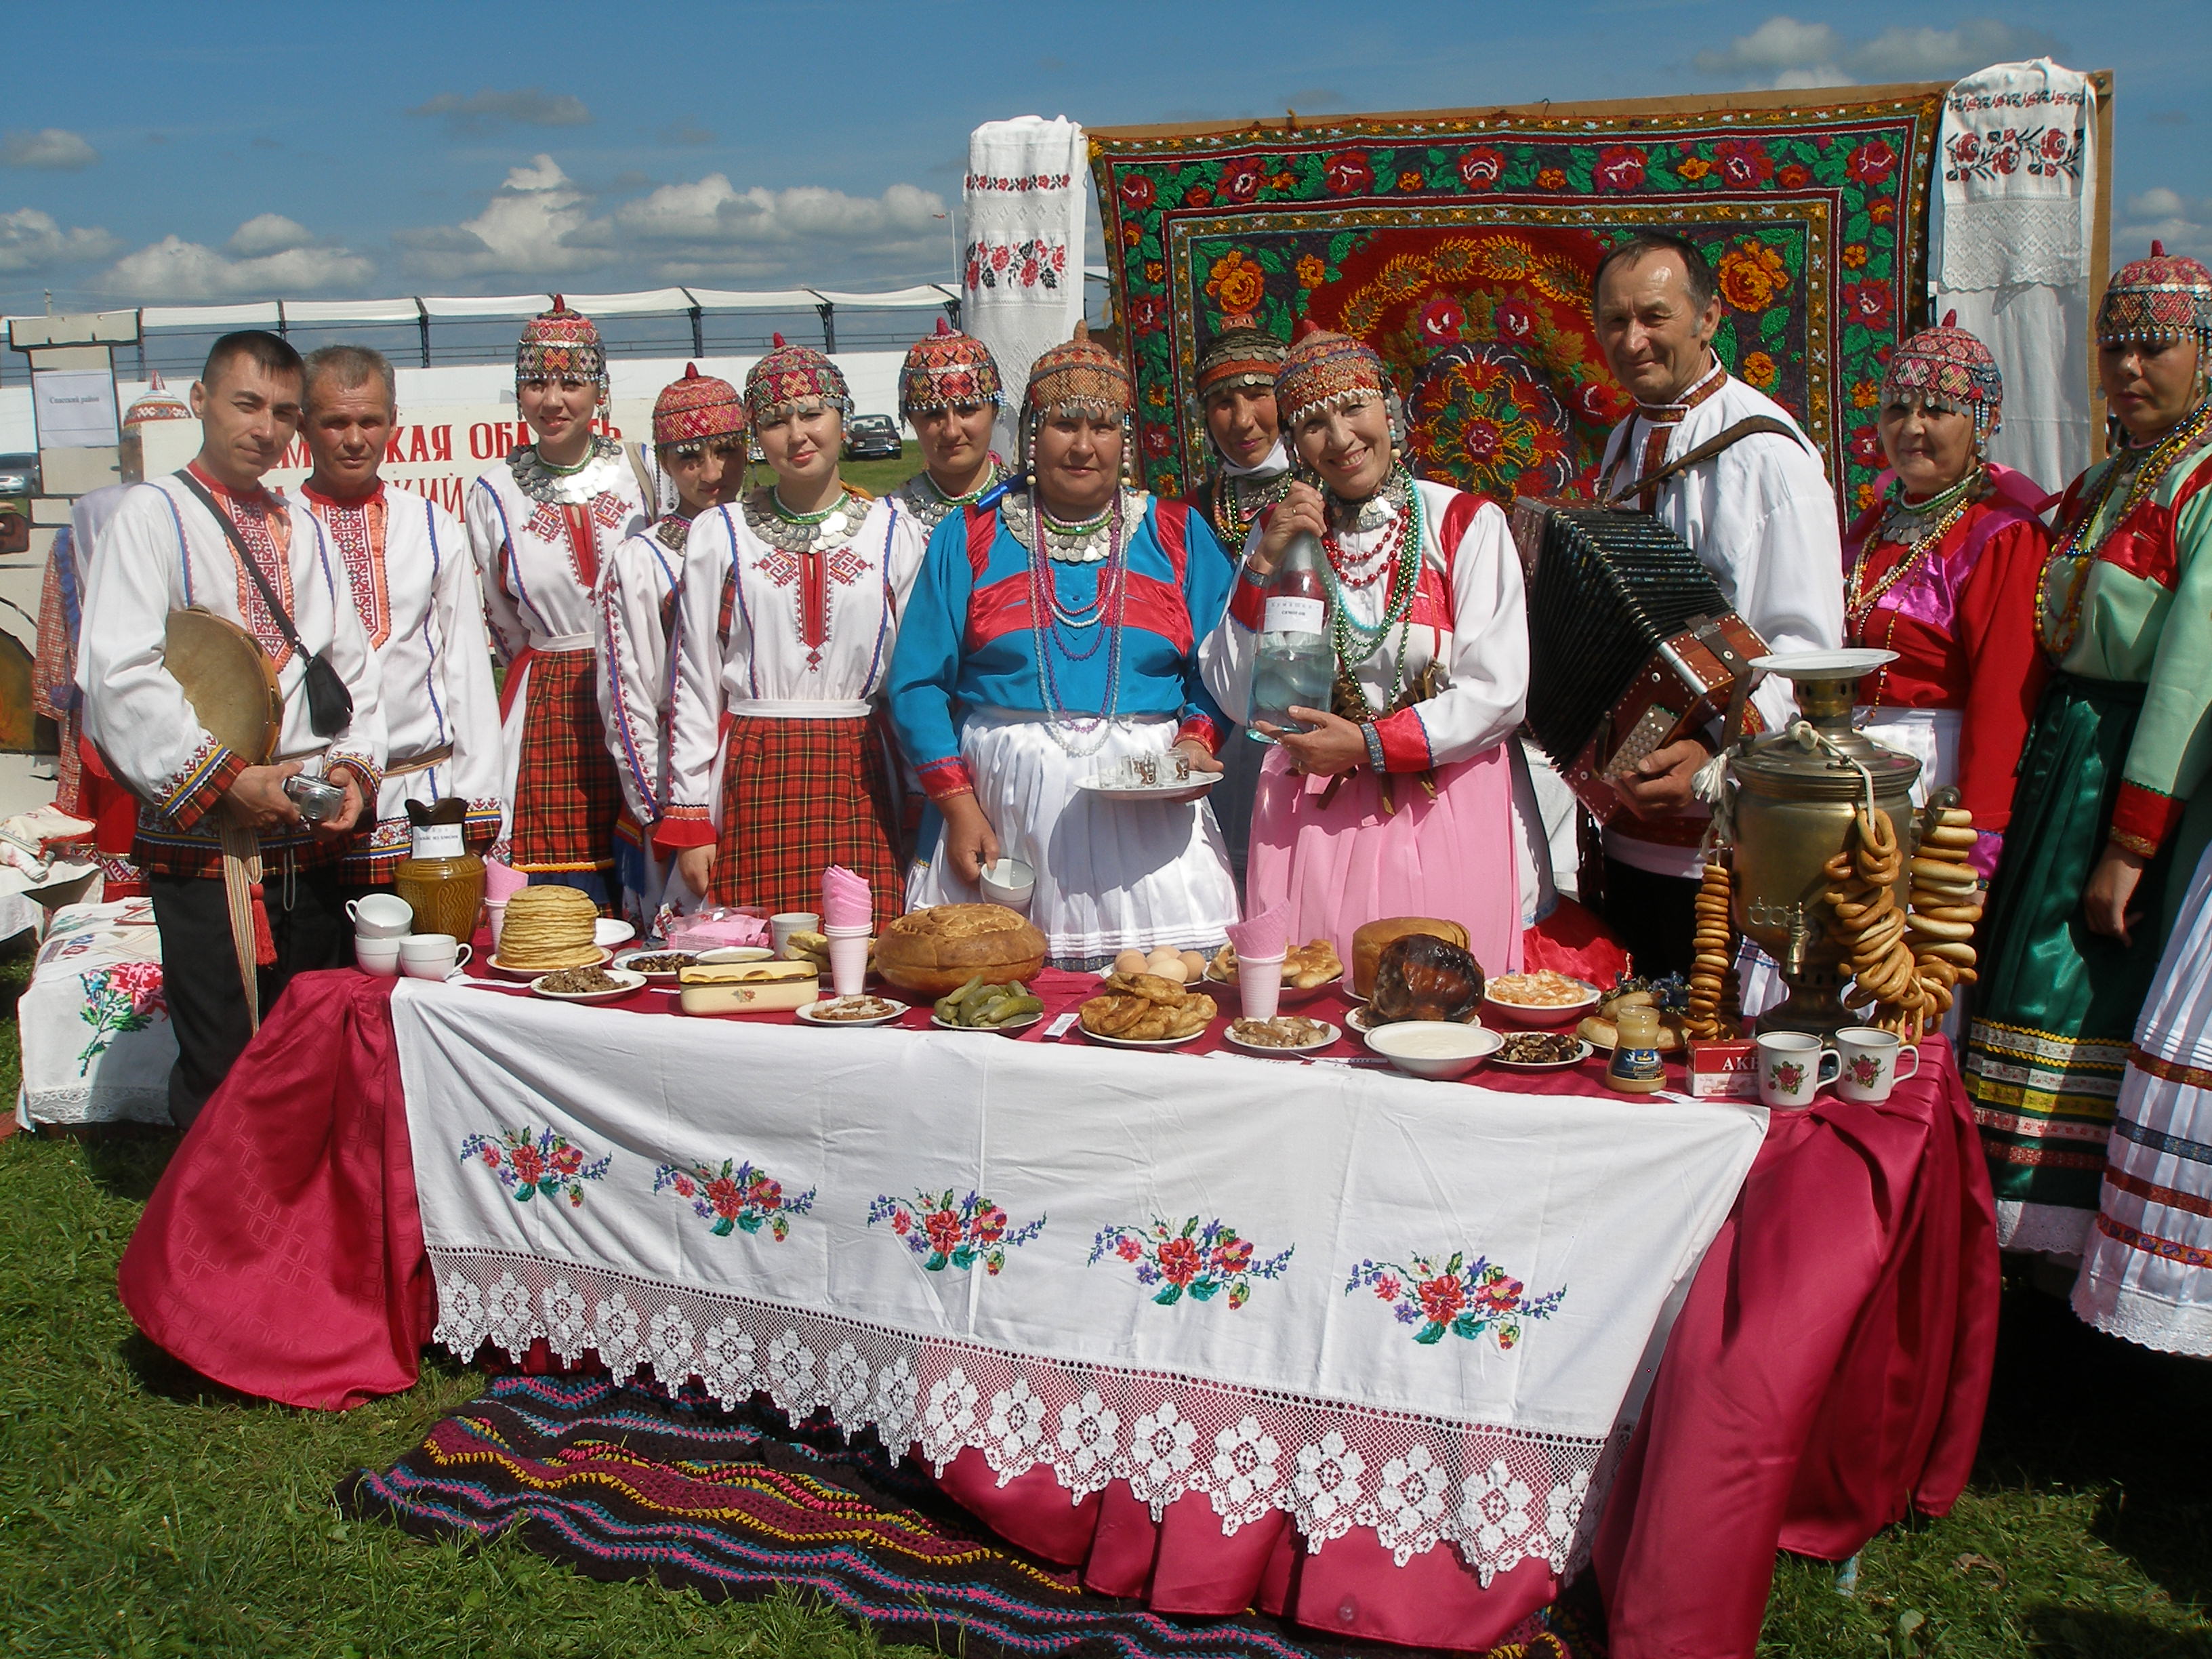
x=1265, y=936
x=502, y=882
x=846, y=901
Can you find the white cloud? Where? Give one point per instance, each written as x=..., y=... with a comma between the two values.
x=1783, y=52
x=269, y=255
x=2182, y=224
x=49, y=146
x=712, y=214
x=538, y=223
x=528, y=106
x=268, y=233
x=32, y=240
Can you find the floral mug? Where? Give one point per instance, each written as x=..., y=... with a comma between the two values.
x=1871, y=1058
x=1793, y=1068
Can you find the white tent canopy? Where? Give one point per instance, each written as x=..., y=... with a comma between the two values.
x=506, y=307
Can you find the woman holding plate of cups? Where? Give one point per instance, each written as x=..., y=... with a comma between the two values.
x=1051, y=641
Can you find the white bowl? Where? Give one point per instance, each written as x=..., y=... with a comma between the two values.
x=1434, y=1048
x=1552, y=1015
x=1009, y=882
x=722, y=953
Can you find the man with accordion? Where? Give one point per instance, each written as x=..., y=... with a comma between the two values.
x=1754, y=507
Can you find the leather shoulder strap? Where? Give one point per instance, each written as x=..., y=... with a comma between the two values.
x=276, y=613
x=1751, y=427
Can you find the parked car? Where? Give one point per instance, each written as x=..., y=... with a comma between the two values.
x=872, y=438
x=19, y=476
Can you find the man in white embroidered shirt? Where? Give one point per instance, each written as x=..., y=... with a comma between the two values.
x=270, y=897
x=1760, y=517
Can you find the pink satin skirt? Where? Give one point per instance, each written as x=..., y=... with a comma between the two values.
x=1349, y=863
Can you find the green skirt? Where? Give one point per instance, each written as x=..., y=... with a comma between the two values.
x=2055, y=1010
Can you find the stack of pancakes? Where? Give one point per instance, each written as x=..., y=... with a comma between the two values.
x=549, y=928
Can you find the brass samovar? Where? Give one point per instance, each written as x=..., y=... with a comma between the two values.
x=1794, y=795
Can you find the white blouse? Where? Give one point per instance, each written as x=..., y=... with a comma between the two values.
x=635, y=669
x=540, y=584
x=766, y=632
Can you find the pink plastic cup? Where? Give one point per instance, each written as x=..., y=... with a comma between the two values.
x=1260, y=983
x=848, y=959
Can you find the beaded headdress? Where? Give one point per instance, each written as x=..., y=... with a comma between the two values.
x=2156, y=299
x=790, y=378
x=560, y=344
x=160, y=404
x=695, y=407
x=1239, y=357
x=946, y=370
x=1947, y=365
x=1078, y=377
x=1323, y=370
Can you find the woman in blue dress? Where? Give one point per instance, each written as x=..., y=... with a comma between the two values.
x=1052, y=635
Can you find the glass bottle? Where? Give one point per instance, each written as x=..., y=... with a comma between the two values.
x=1635, y=1067
x=1296, y=664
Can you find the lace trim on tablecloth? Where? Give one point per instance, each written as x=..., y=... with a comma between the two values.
x=100, y=1102
x=1502, y=1495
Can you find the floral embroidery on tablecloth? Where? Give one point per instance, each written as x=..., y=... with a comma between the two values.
x=547, y=1165
x=127, y=997
x=1200, y=1261
x=945, y=1234
x=1462, y=1298
x=735, y=1198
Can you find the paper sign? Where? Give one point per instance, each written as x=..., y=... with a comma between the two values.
x=75, y=408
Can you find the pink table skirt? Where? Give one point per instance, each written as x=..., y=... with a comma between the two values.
x=1826, y=1374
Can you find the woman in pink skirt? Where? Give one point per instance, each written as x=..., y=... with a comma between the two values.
x=1406, y=796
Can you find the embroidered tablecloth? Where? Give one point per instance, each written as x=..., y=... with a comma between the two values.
x=94, y=1024
x=1357, y=1298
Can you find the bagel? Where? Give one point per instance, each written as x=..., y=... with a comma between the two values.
x=1943, y=872
x=1952, y=932
x=1945, y=835
x=1956, y=951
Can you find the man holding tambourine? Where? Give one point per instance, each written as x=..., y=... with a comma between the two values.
x=228, y=684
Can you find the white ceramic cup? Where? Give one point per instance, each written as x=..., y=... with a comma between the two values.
x=380, y=915
x=1871, y=1059
x=431, y=955
x=849, y=960
x=781, y=928
x=495, y=918
x=1260, y=984
x=1009, y=882
x=379, y=956
x=1792, y=1068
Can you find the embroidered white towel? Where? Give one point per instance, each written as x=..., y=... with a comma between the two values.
x=1022, y=272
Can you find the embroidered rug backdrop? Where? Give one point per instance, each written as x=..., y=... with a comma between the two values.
x=1474, y=235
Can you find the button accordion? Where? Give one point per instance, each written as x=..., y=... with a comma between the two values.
x=1632, y=645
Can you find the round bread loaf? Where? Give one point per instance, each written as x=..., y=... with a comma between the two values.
x=935, y=952
x=1368, y=942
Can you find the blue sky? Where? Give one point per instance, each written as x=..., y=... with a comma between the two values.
x=148, y=153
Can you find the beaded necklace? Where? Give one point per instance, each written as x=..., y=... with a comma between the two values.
x=1080, y=735
x=1356, y=643
x=2144, y=469
x=929, y=503
x=1233, y=517
x=767, y=518
x=1933, y=518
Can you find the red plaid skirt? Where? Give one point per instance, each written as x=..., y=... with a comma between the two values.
x=799, y=796
x=567, y=795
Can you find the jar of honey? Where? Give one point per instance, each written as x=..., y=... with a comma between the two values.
x=441, y=880
x=1635, y=1067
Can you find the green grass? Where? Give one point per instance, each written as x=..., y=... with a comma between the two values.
x=143, y=1512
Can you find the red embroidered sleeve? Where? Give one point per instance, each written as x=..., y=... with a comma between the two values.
x=1405, y=741
x=2142, y=819
x=942, y=780
x=683, y=826
x=200, y=788
x=1201, y=729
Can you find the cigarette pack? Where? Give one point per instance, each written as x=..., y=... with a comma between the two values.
x=1724, y=1071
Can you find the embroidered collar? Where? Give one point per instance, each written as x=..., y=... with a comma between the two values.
x=600, y=473
x=342, y=503
x=261, y=498
x=930, y=505
x=1674, y=413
